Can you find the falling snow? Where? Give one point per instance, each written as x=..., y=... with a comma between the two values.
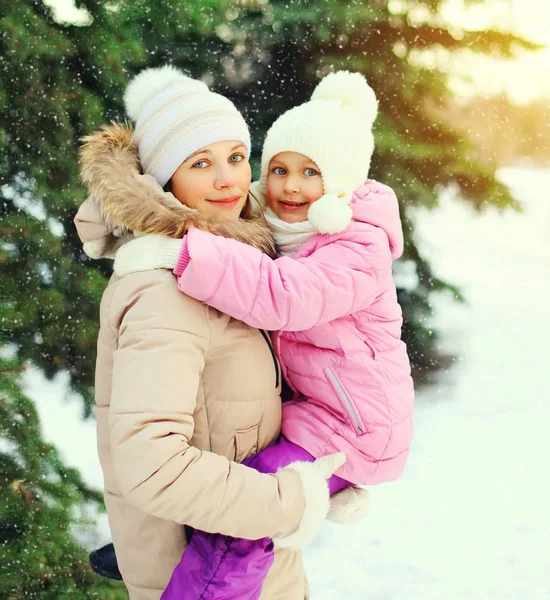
x=469, y=518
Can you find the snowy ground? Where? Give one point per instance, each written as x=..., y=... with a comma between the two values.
x=469, y=519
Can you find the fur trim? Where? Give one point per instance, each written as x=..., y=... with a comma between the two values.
x=134, y=202
x=314, y=479
x=330, y=214
x=348, y=506
x=149, y=83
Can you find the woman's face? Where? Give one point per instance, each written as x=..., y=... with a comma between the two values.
x=214, y=180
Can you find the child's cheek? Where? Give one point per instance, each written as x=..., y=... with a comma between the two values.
x=273, y=193
x=313, y=192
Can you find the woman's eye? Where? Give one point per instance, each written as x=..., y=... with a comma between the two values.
x=200, y=164
x=236, y=158
x=279, y=171
x=310, y=172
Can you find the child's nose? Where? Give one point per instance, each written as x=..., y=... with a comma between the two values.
x=291, y=186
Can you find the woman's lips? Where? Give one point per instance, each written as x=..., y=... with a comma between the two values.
x=226, y=202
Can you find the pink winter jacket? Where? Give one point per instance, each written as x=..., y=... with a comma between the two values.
x=335, y=307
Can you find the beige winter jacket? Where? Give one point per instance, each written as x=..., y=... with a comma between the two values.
x=184, y=393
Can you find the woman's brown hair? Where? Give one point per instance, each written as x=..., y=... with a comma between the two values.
x=246, y=212
x=247, y=209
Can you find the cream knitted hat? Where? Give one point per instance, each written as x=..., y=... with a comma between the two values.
x=333, y=129
x=176, y=116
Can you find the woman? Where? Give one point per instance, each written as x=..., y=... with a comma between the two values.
x=183, y=392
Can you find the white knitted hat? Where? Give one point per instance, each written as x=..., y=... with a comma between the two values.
x=333, y=129
x=176, y=116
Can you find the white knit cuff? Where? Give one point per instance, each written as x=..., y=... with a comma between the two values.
x=167, y=253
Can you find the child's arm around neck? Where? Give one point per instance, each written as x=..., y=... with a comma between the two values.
x=344, y=274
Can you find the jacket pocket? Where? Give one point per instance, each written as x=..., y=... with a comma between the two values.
x=246, y=443
x=346, y=401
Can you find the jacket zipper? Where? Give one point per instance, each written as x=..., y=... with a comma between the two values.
x=344, y=396
x=275, y=363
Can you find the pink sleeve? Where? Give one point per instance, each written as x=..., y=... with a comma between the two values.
x=340, y=278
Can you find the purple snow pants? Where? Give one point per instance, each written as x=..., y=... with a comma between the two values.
x=219, y=567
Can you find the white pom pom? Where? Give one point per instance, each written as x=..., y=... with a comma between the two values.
x=351, y=89
x=94, y=248
x=145, y=85
x=330, y=214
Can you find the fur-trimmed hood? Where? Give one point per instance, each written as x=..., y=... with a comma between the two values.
x=122, y=201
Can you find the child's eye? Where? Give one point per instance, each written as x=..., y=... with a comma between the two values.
x=279, y=171
x=200, y=164
x=310, y=172
x=236, y=158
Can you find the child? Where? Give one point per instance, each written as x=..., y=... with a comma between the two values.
x=330, y=298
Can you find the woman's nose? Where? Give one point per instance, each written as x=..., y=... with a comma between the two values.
x=225, y=178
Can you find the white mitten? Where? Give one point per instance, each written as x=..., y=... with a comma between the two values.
x=314, y=479
x=348, y=506
x=146, y=253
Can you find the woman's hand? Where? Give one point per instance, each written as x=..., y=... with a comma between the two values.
x=314, y=478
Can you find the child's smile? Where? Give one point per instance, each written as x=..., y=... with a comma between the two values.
x=292, y=205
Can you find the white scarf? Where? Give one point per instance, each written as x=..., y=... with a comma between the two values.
x=289, y=236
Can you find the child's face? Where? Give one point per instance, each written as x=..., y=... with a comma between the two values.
x=214, y=180
x=294, y=182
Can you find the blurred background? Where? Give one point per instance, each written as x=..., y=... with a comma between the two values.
x=463, y=137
